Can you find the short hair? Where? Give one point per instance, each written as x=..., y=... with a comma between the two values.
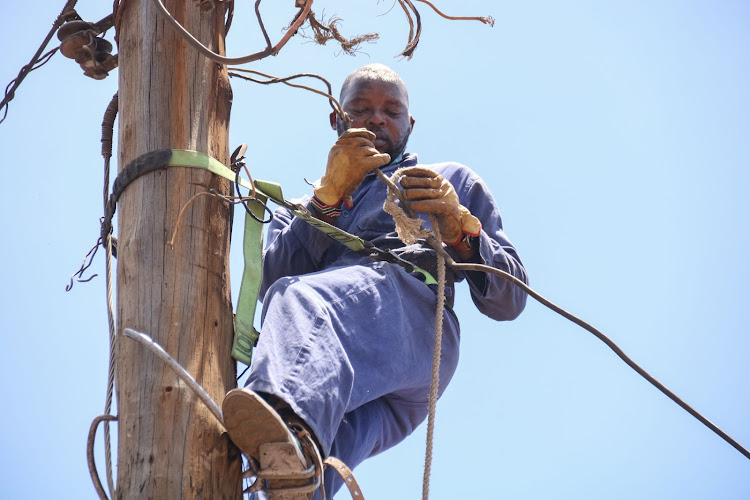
x=377, y=72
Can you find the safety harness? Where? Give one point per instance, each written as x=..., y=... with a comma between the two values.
x=245, y=334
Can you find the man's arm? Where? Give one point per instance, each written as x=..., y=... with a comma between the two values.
x=493, y=295
x=470, y=225
x=294, y=246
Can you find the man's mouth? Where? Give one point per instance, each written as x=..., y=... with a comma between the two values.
x=379, y=139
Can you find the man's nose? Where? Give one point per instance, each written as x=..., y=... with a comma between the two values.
x=377, y=117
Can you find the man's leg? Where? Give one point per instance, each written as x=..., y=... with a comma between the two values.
x=350, y=351
x=373, y=428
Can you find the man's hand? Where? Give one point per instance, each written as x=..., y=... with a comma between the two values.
x=433, y=194
x=349, y=161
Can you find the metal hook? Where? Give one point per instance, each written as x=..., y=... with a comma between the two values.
x=236, y=160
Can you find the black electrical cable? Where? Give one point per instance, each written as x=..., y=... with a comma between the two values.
x=462, y=266
x=251, y=197
x=586, y=326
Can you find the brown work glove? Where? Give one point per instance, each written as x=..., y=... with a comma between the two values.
x=351, y=158
x=430, y=193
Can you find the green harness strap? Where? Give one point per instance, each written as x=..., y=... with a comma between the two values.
x=245, y=335
x=273, y=191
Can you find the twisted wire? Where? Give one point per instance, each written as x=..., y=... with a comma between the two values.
x=107, y=132
x=210, y=54
x=334, y=103
x=482, y=19
x=10, y=91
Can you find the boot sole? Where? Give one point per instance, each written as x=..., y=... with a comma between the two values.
x=251, y=422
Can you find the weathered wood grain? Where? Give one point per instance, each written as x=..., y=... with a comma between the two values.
x=170, y=446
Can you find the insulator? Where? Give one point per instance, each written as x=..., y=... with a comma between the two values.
x=73, y=45
x=72, y=27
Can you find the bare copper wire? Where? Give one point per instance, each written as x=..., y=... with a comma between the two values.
x=486, y=20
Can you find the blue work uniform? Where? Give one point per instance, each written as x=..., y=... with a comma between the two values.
x=347, y=341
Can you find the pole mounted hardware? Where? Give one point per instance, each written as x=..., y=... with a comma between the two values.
x=80, y=42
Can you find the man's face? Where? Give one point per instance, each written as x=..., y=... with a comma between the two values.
x=383, y=109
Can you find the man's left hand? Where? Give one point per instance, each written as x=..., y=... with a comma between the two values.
x=430, y=193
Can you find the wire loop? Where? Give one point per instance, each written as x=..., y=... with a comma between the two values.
x=245, y=199
x=90, y=454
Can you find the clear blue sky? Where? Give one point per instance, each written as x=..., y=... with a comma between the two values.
x=614, y=136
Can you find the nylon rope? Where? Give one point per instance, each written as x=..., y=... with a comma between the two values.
x=409, y=230
x=436, y=355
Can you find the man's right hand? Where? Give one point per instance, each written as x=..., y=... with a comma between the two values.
x=349, y=161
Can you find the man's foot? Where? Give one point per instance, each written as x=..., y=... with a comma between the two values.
x=263, y=435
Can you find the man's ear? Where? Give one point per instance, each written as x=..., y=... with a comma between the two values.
x=332, y=119
x=411, y=124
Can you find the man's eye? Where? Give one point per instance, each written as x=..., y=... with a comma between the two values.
x=357, y=111
x=393, y=114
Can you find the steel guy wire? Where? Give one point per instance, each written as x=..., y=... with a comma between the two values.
x=66, y=14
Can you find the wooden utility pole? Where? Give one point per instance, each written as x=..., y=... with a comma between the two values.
x=170, y=446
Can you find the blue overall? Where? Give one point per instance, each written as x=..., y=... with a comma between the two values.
x=347, y=341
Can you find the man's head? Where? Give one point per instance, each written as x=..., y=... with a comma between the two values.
x=375, y=98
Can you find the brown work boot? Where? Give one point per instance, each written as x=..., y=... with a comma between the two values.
x=263, y=435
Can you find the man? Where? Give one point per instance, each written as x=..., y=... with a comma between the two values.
x=345, y=350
